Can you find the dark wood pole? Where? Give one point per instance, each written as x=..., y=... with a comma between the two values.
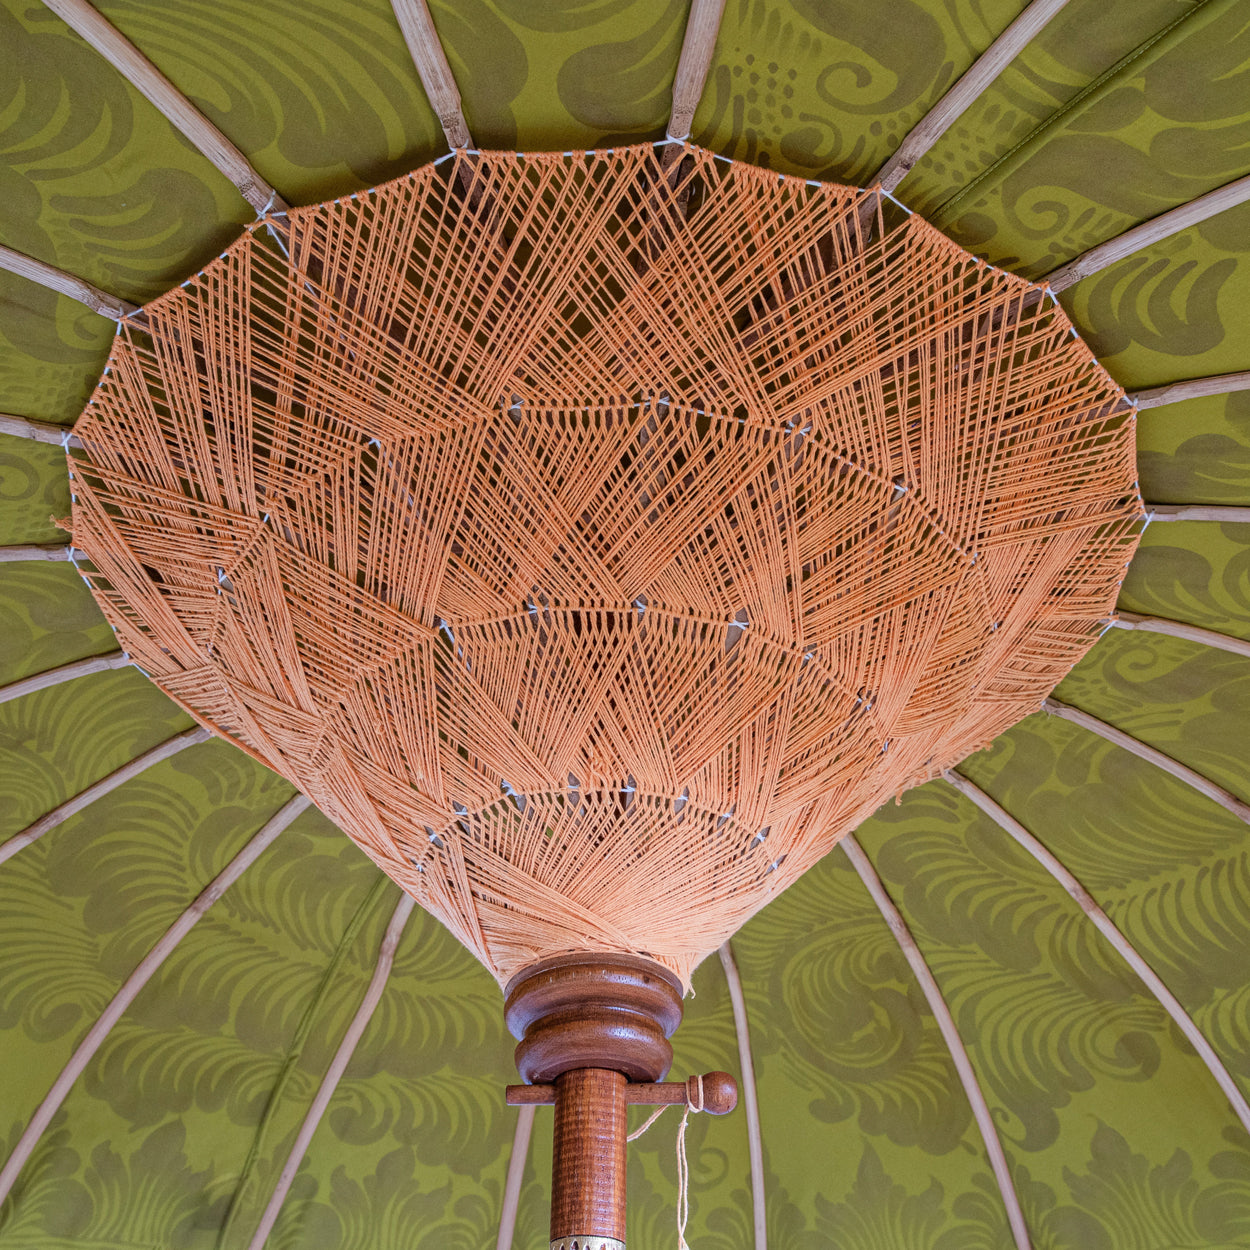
x=588, y=1166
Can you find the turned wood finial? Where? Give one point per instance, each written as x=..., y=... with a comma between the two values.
x=613, y=1012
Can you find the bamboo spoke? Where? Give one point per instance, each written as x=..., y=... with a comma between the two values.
x=66, y=284
x=1229, y=515
x=964, y=93
x=1194, y=388
x=66, y=672
x=1180, y=629
x=33, y=551
x=696, y=58
x=427, y=53
x=115, y=48
x=338, y=1065
x=1151, y=979
x=1230, y=802
x=106, y=785
x=516, y=1174
x=1148, y=233
x=130, y=988
x=37, y=431
x=746, y=1064
x=954, y=1043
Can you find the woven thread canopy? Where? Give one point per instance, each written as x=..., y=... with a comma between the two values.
x=595, y=541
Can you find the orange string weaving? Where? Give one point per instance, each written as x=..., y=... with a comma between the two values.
x=597, y=545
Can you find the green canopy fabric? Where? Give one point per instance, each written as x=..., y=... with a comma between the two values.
x=1117, y=1136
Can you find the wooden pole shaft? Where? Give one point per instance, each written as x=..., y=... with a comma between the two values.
x=588, y=1167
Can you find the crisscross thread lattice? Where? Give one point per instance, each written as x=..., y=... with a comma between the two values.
x=596, y=543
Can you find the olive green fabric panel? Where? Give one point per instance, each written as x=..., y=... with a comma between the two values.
x=1060, y=1032
x=52, y=349
x=194, y=1063
x=1084, y=41
x=868, y=1138
x=566, y=74
x=58, y=741
x=1177, y=310
x=1166, y=126
x=1190, y=701
x=94, y=180
x=34, y=488
x=829, y=88
x=1195, y=571
x=415, y=1137
x=47, y=618
x=1166, y=863
x=1196, y=451
x=321, y=96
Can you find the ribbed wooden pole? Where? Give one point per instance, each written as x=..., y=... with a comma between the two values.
x=588, y=1166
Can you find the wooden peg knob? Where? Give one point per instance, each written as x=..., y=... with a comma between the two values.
x=720, y=1092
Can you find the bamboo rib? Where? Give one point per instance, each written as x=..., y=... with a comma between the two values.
x=58, y=815
x=697, y=47
x=34, y=551
x=1230, y=802
x=950, y=1033
x=115, y=48
x=427, y=53
x=1181, y=629
x=130, y=988
x=338, y=1065
x=1107, y=927
x=1228, y=514
x=746, y=1065
x=66, y=284
x=1194, y=388
x=1148, y=233
x=37, y=431
x=939, y=119
x=516, y=1174
x=65, y=672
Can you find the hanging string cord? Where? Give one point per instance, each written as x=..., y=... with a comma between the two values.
x=683, y=1168
x=647, y=1123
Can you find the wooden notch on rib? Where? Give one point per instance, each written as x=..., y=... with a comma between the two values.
x=1148, y=233
x=950, y=1034
x=1194, y=388
x=66, y=284
x=427, y=53
x=129, y=989
x=1152, y=755
x=983, y=71
x=115, y=48
x=697, y=47
x=1104, y=924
